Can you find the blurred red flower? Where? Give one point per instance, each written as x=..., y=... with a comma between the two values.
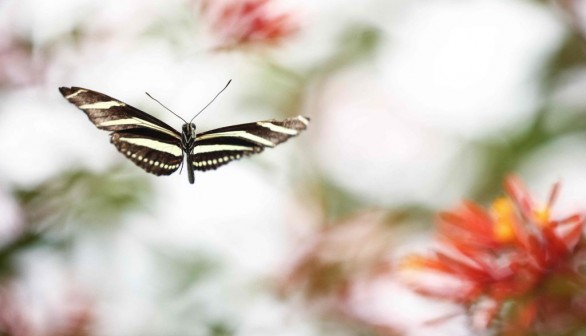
x=338, y=254
x=337, y=261
x=512, y=263
x=18, y=66
x=240, y=23
x=74, y=314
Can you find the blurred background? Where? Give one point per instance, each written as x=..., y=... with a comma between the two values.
x=414, y=106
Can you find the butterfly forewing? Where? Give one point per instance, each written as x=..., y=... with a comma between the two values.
x=217, y=147
x=111, y=114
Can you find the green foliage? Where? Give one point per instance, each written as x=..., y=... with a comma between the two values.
x=75, y=197
x=84, y=197
x=220, y=329
x=183, y=270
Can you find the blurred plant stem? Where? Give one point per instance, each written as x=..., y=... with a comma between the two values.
x=501, y=158
x=292, y=89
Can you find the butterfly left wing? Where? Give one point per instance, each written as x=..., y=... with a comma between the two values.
x=145, y=140
x=110, y=114
x=217, y=147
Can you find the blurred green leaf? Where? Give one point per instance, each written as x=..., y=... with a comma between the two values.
x=184, y=269
x=218, y=328
x=570, y=56
x=100, y=199
x=357, y=43
x=9, y=251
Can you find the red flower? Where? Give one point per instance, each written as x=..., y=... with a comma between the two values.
x=340, y=253
x=247, y=22
x=512, y=262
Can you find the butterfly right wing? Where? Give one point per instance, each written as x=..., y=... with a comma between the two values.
x=145, y=140
x=220, y=146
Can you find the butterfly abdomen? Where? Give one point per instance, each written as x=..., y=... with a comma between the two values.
x=190, y=170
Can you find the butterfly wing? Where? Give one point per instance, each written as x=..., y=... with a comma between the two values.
x=148, y=142
x=217, y=147
x=156, y=155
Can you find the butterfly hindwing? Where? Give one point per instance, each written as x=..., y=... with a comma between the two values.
x=218, y=147
x=208, y=157
x=154, y=155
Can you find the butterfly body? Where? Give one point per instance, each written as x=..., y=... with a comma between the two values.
x=187, y=143
x=159, y=149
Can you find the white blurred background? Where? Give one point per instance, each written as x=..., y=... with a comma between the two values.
x=415, y=105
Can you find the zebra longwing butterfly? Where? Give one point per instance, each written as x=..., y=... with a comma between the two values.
x=159, y=149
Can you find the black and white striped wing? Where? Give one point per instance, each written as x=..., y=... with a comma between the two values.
x=156, y=155
x=145, y=140
x=217, y=147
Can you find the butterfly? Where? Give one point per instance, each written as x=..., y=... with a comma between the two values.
x=160, y=150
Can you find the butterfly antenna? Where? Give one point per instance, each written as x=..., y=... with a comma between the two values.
x=168, y=109
x=211, y=101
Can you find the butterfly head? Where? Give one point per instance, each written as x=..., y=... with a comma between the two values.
x=188, y=131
